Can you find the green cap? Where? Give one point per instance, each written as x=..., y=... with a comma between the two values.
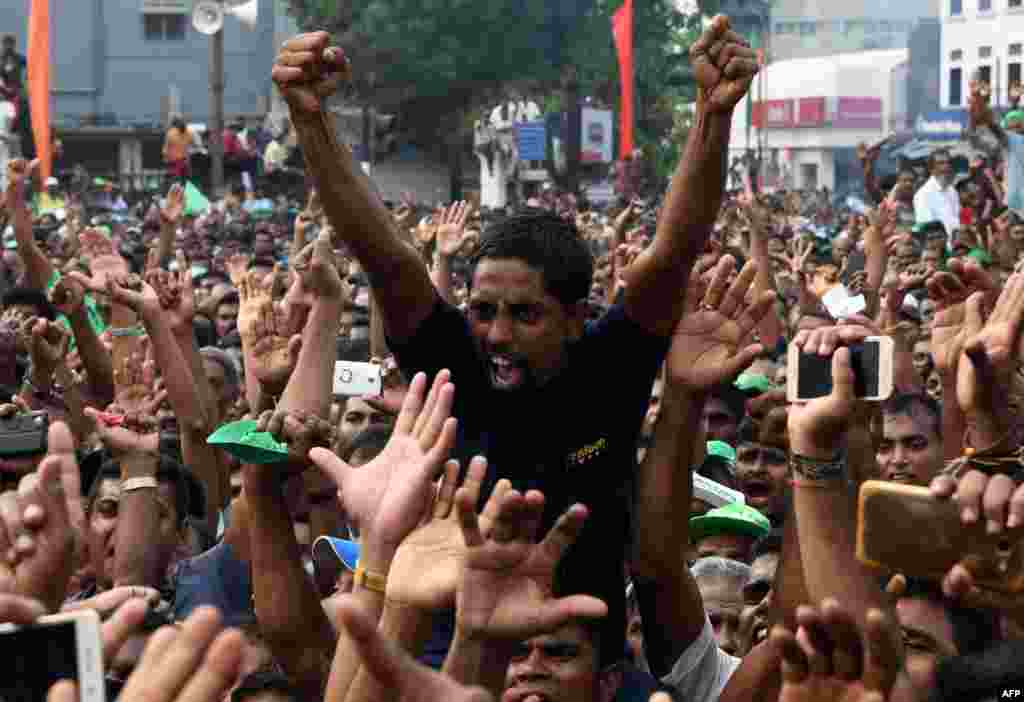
x=928, y=227
x=720, y=449
x=242, y=441
x=730, y=519
x=981, y=256
x=753, y=383
x=1013, y=116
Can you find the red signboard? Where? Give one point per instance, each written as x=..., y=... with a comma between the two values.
x=810, y=112
x=858, y=112
x=848, y=112
x=772, y=114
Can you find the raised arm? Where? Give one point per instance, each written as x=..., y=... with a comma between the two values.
x=306, y=72
x=449, y=238
x=37, y=266
x=824, y=479
x=170, y=218
x=177, y=303
x=68, y=296
x=287, y=605
x=724, y=66
x=387, y=499
x=706, y=350
x=770, y=328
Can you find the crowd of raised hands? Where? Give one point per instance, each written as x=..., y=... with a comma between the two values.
x=223, y=574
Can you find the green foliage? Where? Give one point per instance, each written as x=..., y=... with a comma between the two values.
x=455, y=56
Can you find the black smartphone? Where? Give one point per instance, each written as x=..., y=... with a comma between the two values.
x=24, y=434
x=809, y=376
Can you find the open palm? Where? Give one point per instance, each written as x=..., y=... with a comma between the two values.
x=991, y=352
x=41, y=567
x=707, y=343
x=426, y=569
x=388, y=497
x=507, y=587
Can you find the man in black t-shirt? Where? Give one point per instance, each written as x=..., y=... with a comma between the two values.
x=552, y=403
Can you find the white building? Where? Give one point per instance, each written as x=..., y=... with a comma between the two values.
x=986, y=36
x=809, y=114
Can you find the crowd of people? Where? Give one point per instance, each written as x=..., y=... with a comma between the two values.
x=582, y=479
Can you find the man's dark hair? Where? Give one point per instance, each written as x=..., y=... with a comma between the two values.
x=169, y=472
x=769, y=543
x=371, y=440
x=262, y=681
x=545, y=242
x=263, y=262
x=904, y=403
x=974, y=630
x=354, y=350
x=29, y=297
x=934, y=156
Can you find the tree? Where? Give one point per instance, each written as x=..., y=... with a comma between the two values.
x=443, y=61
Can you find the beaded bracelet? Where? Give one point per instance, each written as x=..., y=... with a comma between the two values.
x=815, y=470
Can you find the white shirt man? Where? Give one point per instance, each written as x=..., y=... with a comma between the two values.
x=937, y=199
x=7, y=115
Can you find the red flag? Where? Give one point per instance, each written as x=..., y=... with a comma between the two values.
x=622, y=30
x=39, y=82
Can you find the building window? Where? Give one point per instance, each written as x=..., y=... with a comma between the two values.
x=1014, y=50
x=956, y=8
x=984, y=52
x=1013, y=75
x=163, y=27
x=956, y=55
x=1014, y=3
x=984, y=5
x=807, y=28
x=955, y=87
x=984, y=74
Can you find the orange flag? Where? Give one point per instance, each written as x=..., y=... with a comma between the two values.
x=622, y=31
x=39, y=82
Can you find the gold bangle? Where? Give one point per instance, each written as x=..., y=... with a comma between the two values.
x=374, y=582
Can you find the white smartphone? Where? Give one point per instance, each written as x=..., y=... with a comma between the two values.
x=352, y=379
x=62, y=646
x=809, y=376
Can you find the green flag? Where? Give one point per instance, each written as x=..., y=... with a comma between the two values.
x=195, y=201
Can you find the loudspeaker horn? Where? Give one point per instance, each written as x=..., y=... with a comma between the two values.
x=208, y=16
x=247, y=13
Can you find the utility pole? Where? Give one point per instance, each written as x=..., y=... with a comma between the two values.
x=215, y=130
x=574, y=127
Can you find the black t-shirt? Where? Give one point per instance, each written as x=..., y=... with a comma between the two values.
x=573, y=439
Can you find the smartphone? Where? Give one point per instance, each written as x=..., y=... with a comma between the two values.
x=24, y=434
x=353, y=379
x=903, y=528
x=58, y=647
x=809, y=375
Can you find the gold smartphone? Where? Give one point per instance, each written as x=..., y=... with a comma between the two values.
x=903, y=528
